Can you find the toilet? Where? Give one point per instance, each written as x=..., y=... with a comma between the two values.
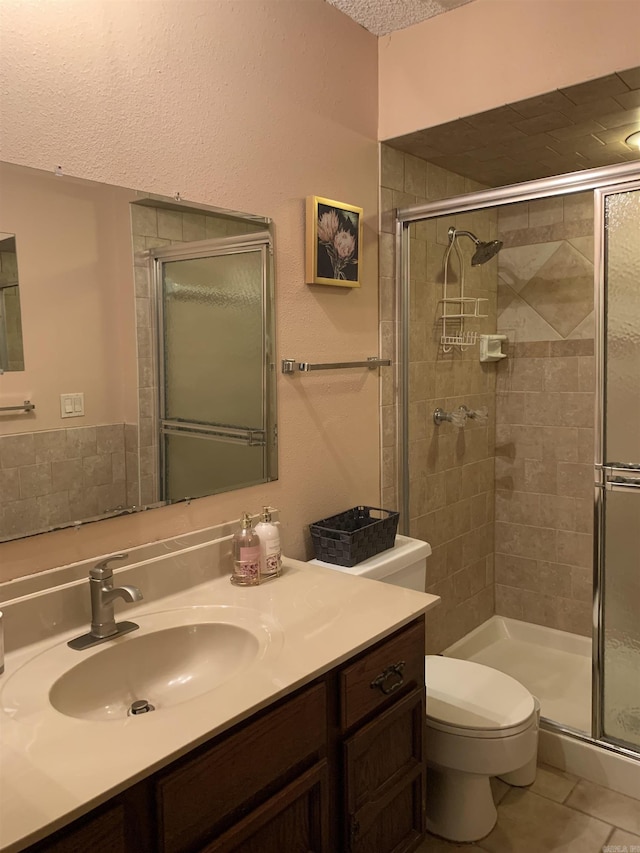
x=480, y=722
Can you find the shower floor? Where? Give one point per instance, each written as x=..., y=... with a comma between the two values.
x=554, y=666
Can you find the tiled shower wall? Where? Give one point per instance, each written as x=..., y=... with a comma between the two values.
x=545, y=414
x=451, y=470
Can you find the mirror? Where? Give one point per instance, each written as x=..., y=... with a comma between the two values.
x=148, y=338
x=11, y=353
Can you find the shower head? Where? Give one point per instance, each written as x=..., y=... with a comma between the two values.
x=484, y=251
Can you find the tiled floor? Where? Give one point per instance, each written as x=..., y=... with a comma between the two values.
x=559, y=813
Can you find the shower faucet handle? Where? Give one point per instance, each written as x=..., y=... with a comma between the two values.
x=480, y=415
x=457, y=417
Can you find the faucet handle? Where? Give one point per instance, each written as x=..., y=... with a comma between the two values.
x=102, y=570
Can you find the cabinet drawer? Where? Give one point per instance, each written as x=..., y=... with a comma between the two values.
x=195, y=797
x=389, y=669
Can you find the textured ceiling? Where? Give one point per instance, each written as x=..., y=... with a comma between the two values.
x=580, y=127
x=382, y=17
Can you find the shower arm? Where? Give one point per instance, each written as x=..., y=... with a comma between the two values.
x=454, y=232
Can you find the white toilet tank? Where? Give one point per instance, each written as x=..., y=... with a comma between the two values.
x=403, y=565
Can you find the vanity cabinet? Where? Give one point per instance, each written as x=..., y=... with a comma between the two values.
x=295, y=819
x=195, y=799
x=118, y=826
x=336, y=767
x=382, y=710
x=102, y=831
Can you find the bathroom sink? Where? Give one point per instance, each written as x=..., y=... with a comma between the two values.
x=176, y=656
x=164, y=667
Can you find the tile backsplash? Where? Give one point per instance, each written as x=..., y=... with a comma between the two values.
x=52, y=477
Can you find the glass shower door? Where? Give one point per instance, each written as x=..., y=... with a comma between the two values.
x=620, y=479
x=212, y=384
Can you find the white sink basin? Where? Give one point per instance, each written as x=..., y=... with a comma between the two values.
x=165, y=667
x=174, y=657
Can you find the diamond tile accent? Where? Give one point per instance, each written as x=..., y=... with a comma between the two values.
x=522, y=323
x=562, y=289
x=519, y=264
x=585, y=245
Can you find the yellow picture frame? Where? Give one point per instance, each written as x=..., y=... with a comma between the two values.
x=333, y=242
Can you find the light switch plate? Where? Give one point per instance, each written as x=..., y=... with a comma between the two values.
x=72, y=405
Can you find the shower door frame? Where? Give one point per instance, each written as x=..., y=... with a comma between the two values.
x=599, y=223
x=257, y=241
x=601, y=181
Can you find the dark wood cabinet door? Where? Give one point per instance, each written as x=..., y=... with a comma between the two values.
x=294, y=820
x=207, y=791
x=384, y=775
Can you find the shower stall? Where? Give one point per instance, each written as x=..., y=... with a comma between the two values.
x=534, y=511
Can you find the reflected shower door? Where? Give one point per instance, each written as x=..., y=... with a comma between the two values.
x=212, y=384
x=620, y=550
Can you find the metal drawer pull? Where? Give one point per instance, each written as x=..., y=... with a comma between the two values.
x=390, y=679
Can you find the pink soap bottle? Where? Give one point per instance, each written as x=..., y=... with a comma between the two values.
x=246, y=554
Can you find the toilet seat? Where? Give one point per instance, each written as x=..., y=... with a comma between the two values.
x=481, y=734
x=467, y=698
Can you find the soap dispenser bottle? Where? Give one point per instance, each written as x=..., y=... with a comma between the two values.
x=270, y=551
x=246, y=554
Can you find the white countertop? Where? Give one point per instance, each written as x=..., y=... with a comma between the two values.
x=54, y=768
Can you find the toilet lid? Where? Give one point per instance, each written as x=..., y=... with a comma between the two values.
x=469, y=695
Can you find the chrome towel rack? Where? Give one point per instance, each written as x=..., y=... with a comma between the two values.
x=290, y=365
x=27, y=406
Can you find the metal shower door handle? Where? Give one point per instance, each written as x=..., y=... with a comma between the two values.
x=616, y=477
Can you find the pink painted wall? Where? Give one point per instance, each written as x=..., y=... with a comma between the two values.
x=76, y=286
x=244, y=105
x=492, y=52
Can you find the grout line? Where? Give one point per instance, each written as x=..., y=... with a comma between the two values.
x=571, y=790
x=595, y=817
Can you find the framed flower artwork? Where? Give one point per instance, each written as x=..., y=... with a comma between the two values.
x=334, y=240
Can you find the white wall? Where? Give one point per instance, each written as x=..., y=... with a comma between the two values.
x=244, y=104
x=492, y=52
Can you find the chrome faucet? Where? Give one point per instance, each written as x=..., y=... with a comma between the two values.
x=103, y=595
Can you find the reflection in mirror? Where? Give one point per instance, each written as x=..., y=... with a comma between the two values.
x=212, y=338
x=11, y=352
x=94, y=445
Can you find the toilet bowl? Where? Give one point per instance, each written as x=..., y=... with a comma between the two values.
x=479, y=723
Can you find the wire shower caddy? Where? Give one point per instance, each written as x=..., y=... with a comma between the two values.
x=463, y=307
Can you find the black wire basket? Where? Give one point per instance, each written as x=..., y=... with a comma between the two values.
x=350, y=537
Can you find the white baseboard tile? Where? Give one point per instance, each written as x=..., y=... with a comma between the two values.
x=601, y=766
